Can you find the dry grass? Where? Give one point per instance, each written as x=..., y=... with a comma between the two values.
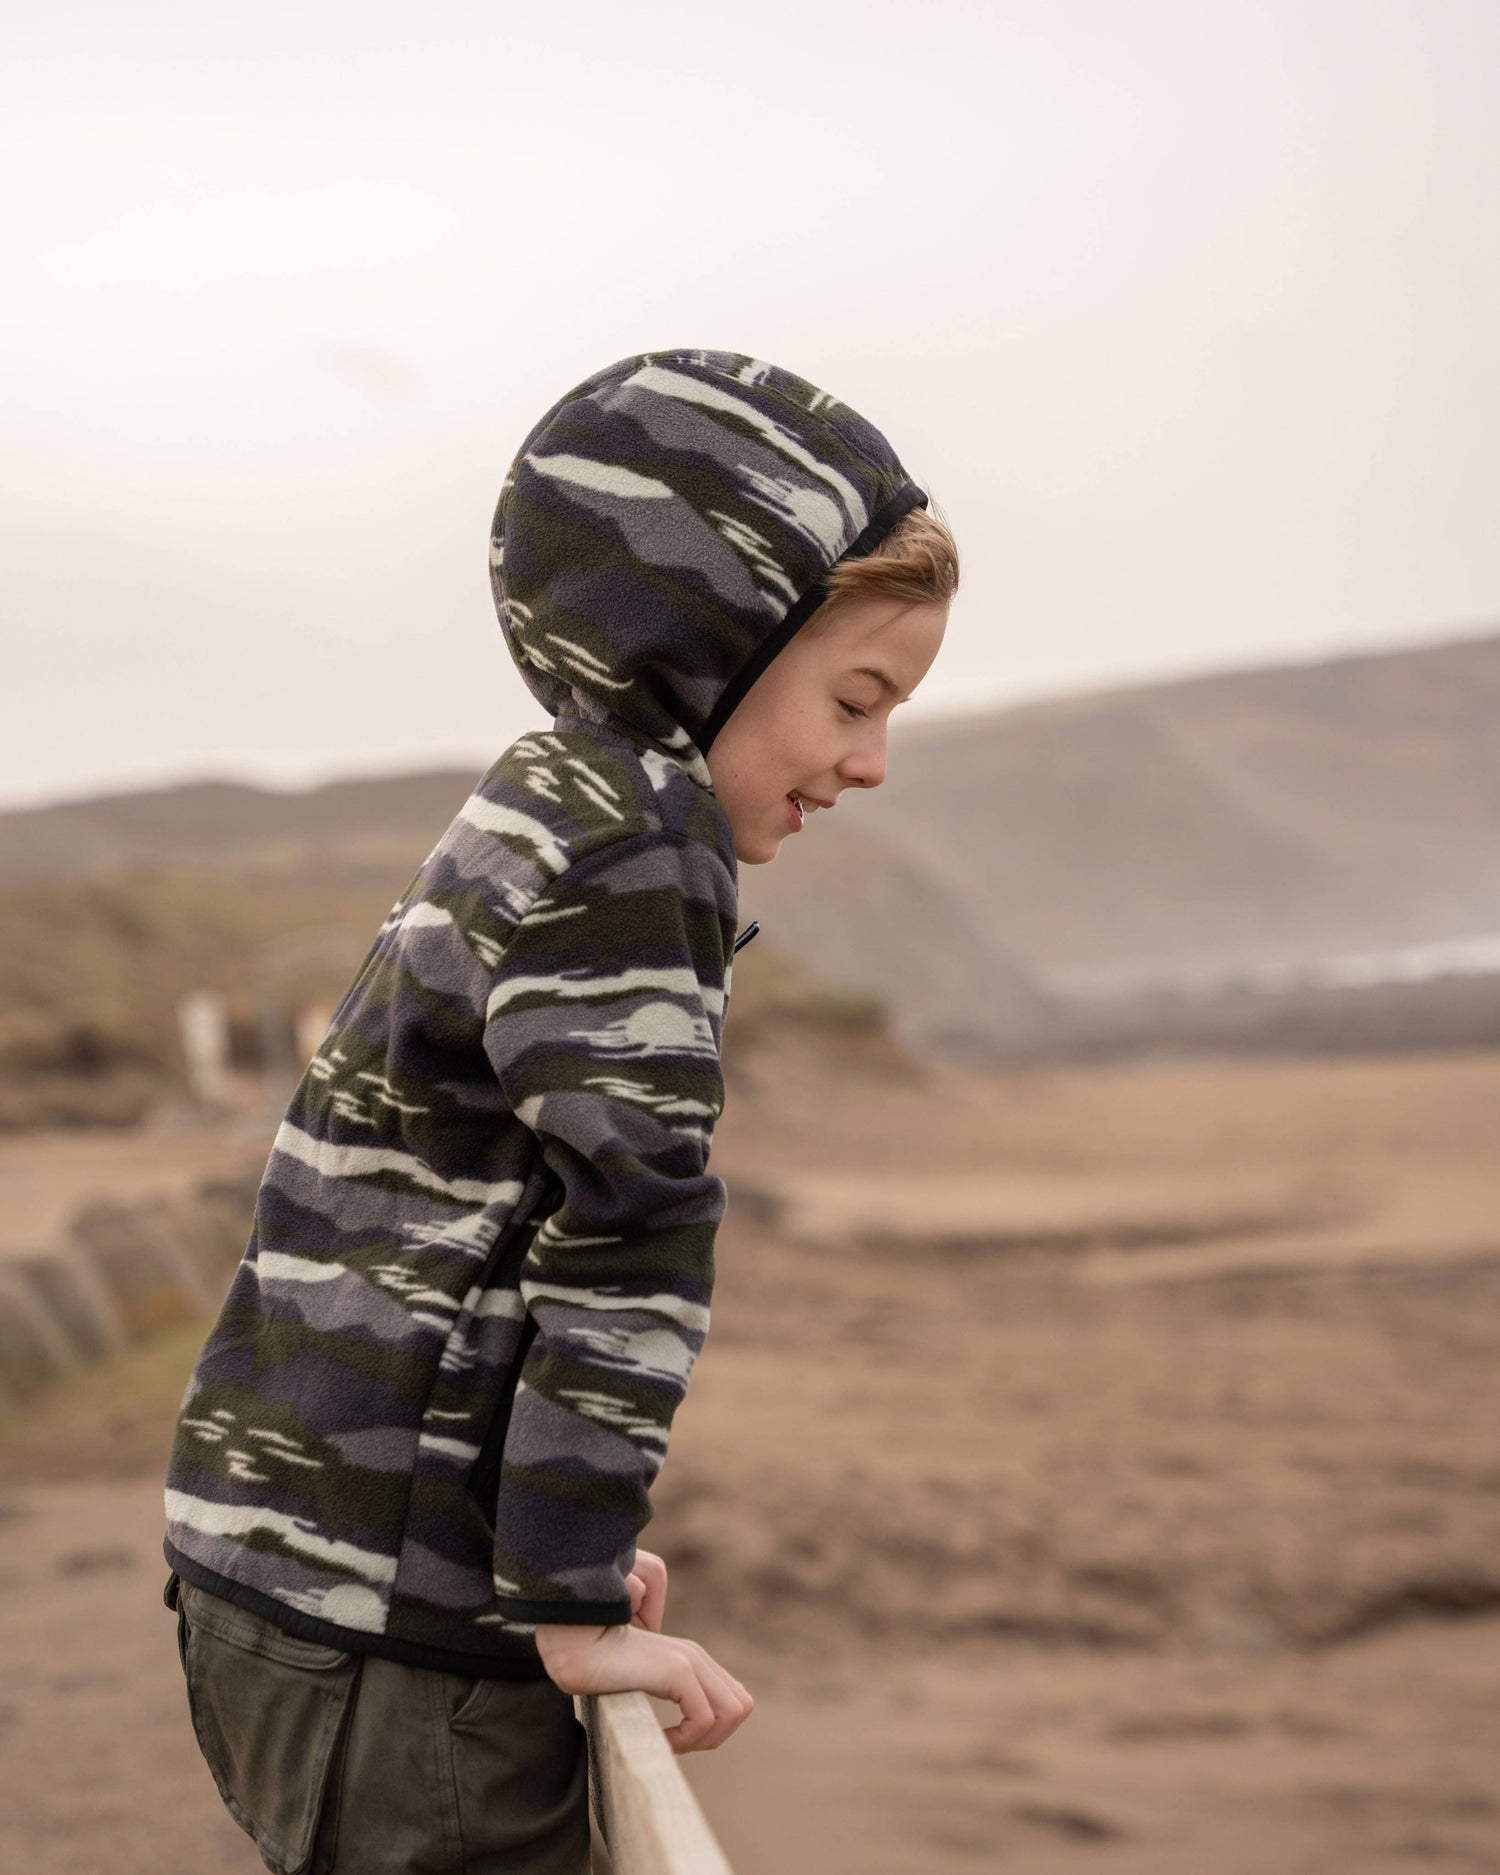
x=107, y=1422
x=93, y=971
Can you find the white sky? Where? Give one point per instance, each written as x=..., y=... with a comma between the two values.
x=1187, y=313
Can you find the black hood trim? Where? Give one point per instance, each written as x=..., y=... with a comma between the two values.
x=907, y=497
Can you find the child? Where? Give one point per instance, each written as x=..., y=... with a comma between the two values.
x=416, y=1451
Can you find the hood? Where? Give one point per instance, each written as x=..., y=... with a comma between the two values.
x=664, y=530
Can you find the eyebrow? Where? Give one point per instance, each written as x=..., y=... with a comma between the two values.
x=886, y=683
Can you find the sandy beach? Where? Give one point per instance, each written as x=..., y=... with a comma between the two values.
x=1056, y=1519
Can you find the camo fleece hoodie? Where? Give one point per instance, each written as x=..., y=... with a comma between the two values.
x=431, y=1410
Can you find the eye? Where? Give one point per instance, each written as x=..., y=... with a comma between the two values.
x=852, y=708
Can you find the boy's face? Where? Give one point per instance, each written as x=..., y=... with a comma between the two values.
x=814, y=722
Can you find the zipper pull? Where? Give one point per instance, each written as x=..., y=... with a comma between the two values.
x=746, y=935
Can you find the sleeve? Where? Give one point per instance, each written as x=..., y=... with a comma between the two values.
x=604, y=1025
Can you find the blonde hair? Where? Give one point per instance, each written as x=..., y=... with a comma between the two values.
x=916, y=562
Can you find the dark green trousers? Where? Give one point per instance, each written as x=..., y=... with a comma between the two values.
x=349, y=1764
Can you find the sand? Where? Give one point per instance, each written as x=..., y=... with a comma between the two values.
x=1061, y=1514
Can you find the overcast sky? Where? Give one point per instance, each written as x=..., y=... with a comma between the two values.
x=1186, y=313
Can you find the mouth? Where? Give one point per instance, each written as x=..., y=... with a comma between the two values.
x=800, y=806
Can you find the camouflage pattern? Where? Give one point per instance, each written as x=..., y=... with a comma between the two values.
x=431, y=1410
x=663, y=529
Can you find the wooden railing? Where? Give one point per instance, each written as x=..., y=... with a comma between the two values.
x=643, y=1809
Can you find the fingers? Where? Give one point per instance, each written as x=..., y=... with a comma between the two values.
x=652, y=1573
x=687, y=1690
x=623, y=1658
x=714, y=1703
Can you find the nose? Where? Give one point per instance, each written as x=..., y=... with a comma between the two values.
x=865, y=768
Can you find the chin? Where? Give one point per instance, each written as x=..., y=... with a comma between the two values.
x=760, y=854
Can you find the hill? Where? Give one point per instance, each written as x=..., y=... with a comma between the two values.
x=1085, y=871
x=1248, y=821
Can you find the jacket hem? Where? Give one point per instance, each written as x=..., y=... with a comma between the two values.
x=351, y=1640
x=574, y=1614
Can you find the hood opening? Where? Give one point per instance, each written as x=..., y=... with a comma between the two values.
x=663, y=532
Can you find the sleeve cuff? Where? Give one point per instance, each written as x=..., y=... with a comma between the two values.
x=573, y=1614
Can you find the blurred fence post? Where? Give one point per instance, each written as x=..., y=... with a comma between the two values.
x=203, y=1023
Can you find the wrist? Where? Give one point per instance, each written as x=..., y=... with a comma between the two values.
x=557, y=1636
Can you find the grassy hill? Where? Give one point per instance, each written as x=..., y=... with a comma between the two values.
x=377, y=828
x=1018, y=867
x=94, y=968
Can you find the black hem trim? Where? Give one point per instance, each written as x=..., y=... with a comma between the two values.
x=569, y=1614
x=907, y=497
x=351, y=1640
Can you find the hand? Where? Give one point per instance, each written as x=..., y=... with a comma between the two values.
x=647, y=1583
x=633, y=1657
x=625, y=1658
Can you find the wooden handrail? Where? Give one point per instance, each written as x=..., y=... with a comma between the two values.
x=648, y=1817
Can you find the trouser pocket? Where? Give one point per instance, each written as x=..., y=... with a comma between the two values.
x=521, y=1777
x=172, y=1596
x=270, y=1712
